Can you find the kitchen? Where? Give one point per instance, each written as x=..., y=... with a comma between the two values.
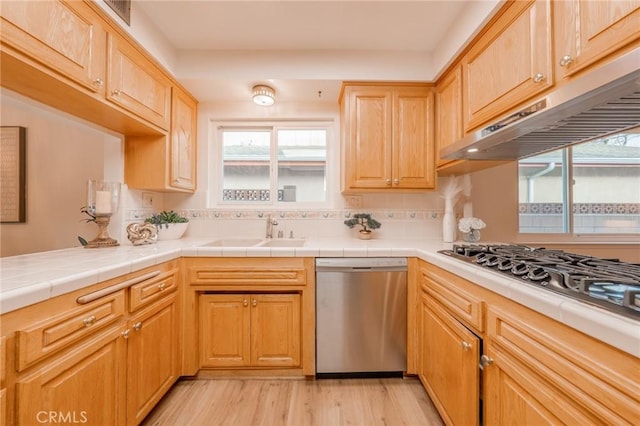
x=405, y=215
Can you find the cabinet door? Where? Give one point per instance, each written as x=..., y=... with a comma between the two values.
x=183, y=141
x=225, y=327
x=513, y=65
x=275, y=330
x=448, y=111
x=586, y=31
x=136, y=84
x=368, y=153
x=413, y=163
x=153, y=357
x=449, y=364
x=67, y=37
x=84, y=385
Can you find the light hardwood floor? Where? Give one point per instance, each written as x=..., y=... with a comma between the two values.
x=295, y=402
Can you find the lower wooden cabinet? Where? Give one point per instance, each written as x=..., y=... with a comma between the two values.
x=250, y=330
x=85, y=384
x=153, y=365
x=448, y=366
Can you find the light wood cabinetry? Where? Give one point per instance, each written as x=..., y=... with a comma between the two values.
x=67, y=37
x=70, y=56
x=535, y=369
x=136, y=84
x=587, y=31
x=250, y=314
x=85, y=358
x=387, y=134
x=510, y=64
x=166, y=162
x=449, y=127
x=250, y=330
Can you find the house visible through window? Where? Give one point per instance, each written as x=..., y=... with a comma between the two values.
x=273, y=165
x=589, y=188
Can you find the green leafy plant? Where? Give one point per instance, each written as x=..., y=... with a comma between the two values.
x=91, y=218
x=164, y=218
x=364, y=220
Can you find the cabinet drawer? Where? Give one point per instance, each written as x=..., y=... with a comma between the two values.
x=51, y=335
x=462, y=304
x=249, y=273
x=151, y=290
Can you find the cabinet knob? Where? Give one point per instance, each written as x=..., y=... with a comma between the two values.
x=125, y=333
x=485, y=361
x=162, y=285
x=89, y=321
x=538, y=78
x=388, y=181
x=466, y=346
x=566, y=60
x=137, y=326
x=98, y=82
x=245, y=302
x=115, y=92
x=254, y=303
x=396, y=181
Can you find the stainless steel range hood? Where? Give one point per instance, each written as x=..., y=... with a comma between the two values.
x=600, y=103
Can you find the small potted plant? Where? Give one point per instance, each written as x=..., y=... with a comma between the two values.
x=366, y=222
x=171, y=226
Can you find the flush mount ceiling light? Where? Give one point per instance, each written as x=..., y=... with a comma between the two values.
x=263, y=95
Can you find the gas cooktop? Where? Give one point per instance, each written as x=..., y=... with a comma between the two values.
x=608, y=283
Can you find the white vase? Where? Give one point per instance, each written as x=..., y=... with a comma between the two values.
x=449, y=227
x=171, y=231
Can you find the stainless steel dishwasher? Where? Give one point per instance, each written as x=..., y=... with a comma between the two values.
x=361, y=316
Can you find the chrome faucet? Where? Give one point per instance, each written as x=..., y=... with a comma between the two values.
x=270, y=224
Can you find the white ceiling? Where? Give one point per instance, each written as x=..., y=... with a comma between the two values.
x=221, y=48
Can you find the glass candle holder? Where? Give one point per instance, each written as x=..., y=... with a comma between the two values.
x=103, y=200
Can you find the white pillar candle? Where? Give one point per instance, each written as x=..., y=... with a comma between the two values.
x=103, y=202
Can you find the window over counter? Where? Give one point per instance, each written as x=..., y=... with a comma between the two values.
x=590, y=188
x=282, y=164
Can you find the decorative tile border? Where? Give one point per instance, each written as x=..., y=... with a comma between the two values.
x=580, y=208
x=212, y=214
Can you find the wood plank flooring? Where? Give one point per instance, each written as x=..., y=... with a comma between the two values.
x=295, y=402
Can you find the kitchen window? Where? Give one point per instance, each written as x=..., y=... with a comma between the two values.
x=590, y=188
x=279, y=164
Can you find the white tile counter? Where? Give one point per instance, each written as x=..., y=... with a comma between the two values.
x=29, y=279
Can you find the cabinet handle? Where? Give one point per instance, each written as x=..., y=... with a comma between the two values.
x=396, y=181
x=566, y=60
x=538, y=78
x=137, y=326
x=115, y=92
x=89, y=321
x=254, y=303
x=162, y=285
x=125, y=333
x=485, y=361
x=388, y=181
x=245, y=302
x=98, y=82
x=466, y=346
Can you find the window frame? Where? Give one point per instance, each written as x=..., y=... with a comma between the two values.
x=216, y=170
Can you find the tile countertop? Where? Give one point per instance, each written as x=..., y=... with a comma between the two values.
x=32, y=278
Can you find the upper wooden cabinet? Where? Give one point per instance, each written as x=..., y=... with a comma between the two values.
x=67, y=37
x=448, y=111
x=387, y=135
x=510, y=63
x=136, y=84
x=587, y=31
x=183, y=141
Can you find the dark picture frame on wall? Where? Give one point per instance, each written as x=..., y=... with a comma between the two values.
x=13, y=174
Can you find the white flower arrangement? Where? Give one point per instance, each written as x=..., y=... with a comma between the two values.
x=468, y=224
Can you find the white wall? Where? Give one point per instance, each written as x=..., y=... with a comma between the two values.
x=62, y=154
